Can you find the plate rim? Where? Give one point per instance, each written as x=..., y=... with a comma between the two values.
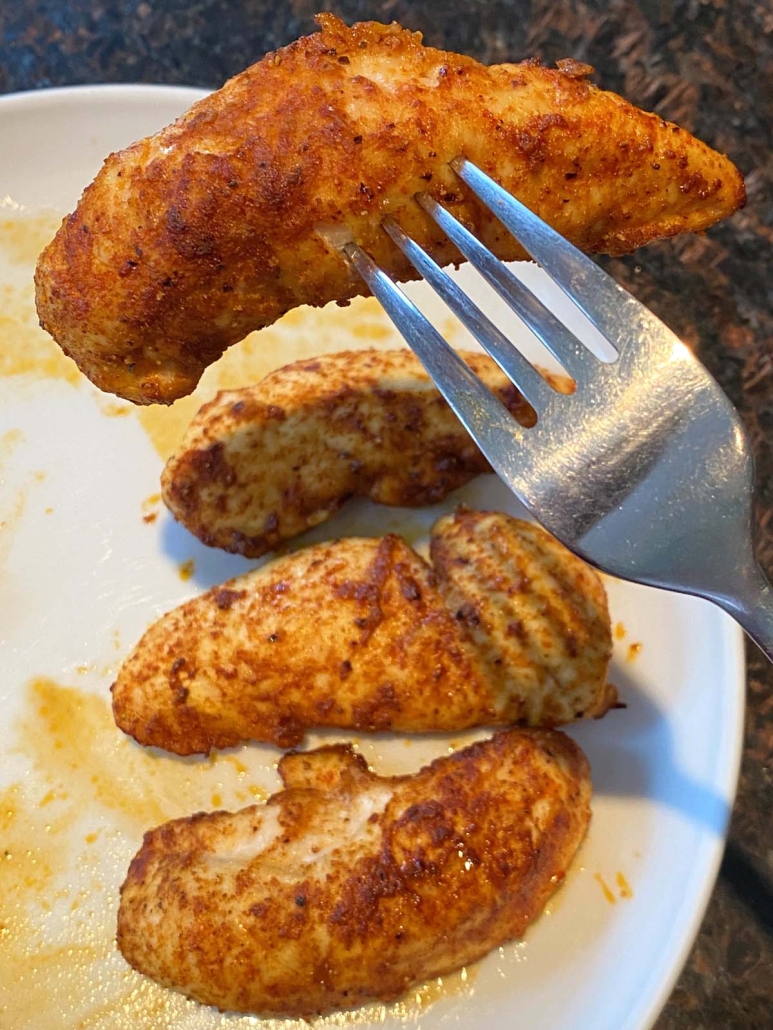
x=106, y=89
x=734, y=647
x=733, y=709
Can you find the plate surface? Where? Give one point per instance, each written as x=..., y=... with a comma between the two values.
x=89, y=557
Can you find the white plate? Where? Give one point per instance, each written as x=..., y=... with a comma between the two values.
x=82, y=574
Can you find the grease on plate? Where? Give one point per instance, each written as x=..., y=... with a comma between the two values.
x=186, y=569
x=633, y=652
x=24, y=347
x=116, y=410
x=68, y=832
x=150, y=508
x=624, y=889
x=623, y=886
x=605, y=889
x=12, y=503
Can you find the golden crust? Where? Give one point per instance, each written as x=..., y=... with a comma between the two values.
x=348, y=887
x=259, y=465
x=191, y=238
x=508, y=627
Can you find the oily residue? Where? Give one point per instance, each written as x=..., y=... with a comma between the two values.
x=68, y=831
x=116, y=410
x=23, y=236
x=624, y=889
x=633, y=652
x=9, y=441
x=25, y=349
x=150, y=508
x=71, y=740
x=12, y=503
x=623, y=886
x=186, y=569
x=67, y=834
x=605, y=889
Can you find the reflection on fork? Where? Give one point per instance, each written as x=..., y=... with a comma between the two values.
x=645, y=470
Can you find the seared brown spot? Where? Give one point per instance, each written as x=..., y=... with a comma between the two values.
x=225, y=598
x=211, y=466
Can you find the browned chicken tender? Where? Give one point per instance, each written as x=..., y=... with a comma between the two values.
x=222, y=222
x=364, y=634
x=347, y=887
x=259, y=465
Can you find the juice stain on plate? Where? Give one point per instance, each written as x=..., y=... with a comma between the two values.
x=633, y=652
x=67, y=834
x=11, y=505
x=73, y=744
x=25, y=348
x=620, y=631
x=23, y=236
x=150, y=508
x=623, y=886
x=186, y=569
x=605, y=889
x=9, y=441
x=114, y=410
x=624, y=889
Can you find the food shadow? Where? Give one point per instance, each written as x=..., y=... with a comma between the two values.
x=632, y=754
x=210, y=566
x=357, y=517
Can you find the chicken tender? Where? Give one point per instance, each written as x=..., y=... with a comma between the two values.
x=364, y=634
x=259, y=465
x=222, y=222
x=347, y=887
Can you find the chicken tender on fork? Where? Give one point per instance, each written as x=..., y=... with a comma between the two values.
x=347, y=887
x=222, y=222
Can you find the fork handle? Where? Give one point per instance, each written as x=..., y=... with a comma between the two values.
x=752, y=607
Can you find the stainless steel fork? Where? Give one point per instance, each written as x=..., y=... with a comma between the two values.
x=645, y=470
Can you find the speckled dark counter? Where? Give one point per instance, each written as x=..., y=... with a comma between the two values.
x=707, y=64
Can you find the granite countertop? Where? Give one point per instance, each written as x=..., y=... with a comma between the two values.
x=706, y=64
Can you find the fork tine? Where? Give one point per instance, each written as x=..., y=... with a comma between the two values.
x=578, y=361
x=532, y=385
x=484, y=416
x=618, y=315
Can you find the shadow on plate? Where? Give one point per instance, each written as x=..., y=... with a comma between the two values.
x=358, y=517
x=630, y=751
x=632, y=754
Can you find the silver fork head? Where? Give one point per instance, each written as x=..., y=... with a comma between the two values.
x=644, y=470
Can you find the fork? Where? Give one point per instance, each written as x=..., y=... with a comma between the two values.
x=645, y=471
